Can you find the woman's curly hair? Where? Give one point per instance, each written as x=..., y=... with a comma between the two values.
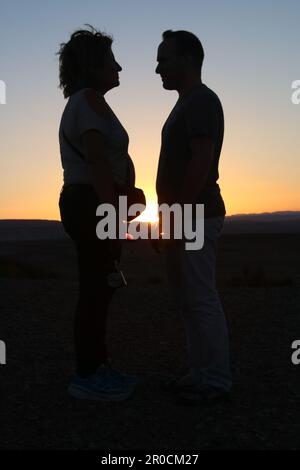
x=80, y=59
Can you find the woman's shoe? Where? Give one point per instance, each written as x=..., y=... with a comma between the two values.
x=106, y=384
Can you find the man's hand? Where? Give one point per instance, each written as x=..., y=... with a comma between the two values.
x=157, y=245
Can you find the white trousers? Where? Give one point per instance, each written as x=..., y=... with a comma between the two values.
x=191, y=275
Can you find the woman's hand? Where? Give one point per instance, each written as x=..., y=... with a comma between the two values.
x=115, y=249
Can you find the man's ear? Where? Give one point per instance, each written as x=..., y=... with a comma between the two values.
x=186, y=60
x=189, y=60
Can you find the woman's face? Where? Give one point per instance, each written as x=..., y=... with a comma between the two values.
x=108, y=76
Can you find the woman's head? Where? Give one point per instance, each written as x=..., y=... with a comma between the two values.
x=87, y=61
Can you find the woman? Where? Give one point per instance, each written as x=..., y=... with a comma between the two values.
x=94, y=156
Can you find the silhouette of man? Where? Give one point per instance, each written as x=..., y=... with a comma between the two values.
x=192, y=139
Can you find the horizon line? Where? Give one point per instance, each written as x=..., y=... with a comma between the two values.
x=231, y=215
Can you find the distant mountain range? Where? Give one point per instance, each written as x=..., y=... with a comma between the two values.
x=269, y=222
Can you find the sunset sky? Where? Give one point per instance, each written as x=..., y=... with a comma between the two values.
x=252, y=56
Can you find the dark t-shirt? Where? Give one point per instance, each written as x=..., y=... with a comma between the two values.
x=197, y=114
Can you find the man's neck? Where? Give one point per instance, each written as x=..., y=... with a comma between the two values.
x=188, y=85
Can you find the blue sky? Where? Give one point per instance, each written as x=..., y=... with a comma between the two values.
x=252, y=57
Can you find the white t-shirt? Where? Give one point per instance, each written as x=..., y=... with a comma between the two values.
x=79, y=117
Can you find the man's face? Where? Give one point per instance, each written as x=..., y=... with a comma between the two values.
x=170, y=65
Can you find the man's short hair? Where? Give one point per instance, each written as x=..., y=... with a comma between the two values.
x=187, y=44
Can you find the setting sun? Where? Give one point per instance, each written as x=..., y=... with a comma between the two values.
x=150, y=214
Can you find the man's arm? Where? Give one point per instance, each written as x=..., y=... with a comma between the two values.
x=202, y=149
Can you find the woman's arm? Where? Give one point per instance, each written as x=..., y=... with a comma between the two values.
x=101, y=177
x=98, y=166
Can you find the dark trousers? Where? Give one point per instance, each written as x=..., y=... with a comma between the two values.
x=78, y=205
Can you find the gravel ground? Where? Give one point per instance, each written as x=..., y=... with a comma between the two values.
x=146, y=338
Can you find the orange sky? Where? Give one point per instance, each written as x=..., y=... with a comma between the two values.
x=259, y=166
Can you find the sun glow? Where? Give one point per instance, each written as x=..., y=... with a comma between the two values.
x=150, y=214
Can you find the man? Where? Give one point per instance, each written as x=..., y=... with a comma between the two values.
x=187, y=174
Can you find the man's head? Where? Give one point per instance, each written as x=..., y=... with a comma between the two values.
x=179, y=56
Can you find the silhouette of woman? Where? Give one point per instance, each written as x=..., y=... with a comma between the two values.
x=94, y=157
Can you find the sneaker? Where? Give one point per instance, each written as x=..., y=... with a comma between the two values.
x=174, y=385
x=120, y=376
x=117, y=374
x=106, y=384
x=203, y=396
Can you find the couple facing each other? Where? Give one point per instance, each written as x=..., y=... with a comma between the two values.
x=94, y=156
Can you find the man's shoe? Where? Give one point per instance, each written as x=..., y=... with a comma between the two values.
x=106, y=384
x=174, y=385
x=203, y=396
